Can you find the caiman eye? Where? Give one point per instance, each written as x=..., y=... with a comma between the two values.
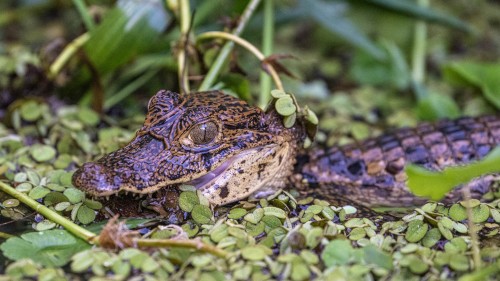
x=203, y=133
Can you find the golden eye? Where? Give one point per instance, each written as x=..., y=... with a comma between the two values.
x=203, y=133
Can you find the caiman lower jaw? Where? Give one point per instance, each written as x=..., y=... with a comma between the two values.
x=243, y=174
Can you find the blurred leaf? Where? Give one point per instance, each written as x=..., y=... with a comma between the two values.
x=331, y=15
x=477, y=74
x=393, y=70
x=435, y=106
x=435, y=185
x=126, y=31
x=413, y=9
x=49, y=248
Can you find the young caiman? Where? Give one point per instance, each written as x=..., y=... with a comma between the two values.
x=230, y=150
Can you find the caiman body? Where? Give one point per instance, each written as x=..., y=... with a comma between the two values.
x=230, y=150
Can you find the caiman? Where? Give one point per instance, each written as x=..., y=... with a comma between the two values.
x=229, y=150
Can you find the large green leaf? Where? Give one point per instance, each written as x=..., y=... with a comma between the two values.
x=435, y=185
x=49, y=248
x=413, y=9
x=126, y=31
x=482, y=75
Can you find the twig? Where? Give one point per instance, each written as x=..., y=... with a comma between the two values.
x=66, y=54
x=247, y=45
x=49, y=214
x=192, y=244
x=185, y=19
x=267, y=49
x=216, y=67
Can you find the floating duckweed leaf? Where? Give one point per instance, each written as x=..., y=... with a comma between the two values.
x=374, y=255
x=87, y=116
x=149, y=265
x=255, y=216
x=53, y=198
x=311, y=116
x=201, y=214
x=96, y=205
x=65, y=179
x=38, y=192
x=255, y=253
x=431, y=237
x=271, y=221
x=50, y=248
x=289, y=121
x=417, y=266
x=354, y=222
x=24, y=187
x=328, y=213
x=409, y=248
x=313, y=237
x=459, y=227
x=62, y=206
x=300, y=270
x=459, y=262
x=456, y=245
x=45, y=225
x=445, y=231
x=218, y=232
x=337, y=252
x=416, y=231
x=187, y=201
x=74, y=195
x=349, y=210
x=273, y=211
x=309, y=256
x=33, y=177
x=20, y=177
x=10, y=203
x=457, y=212
x=63, y=161
x=278, y=93
x=285, y=106
x=85, y=215
x=56, y=187
x=495, y=214
x=42, y=153
x=471, y=203
x=480, y=213
x=31, y=111
x=237, y=213
x=314, y=209
x=357, y=233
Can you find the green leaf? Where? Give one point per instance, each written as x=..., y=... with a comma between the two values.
x=416, y=231
x=187, y=201
x=285, y=106
x=412, y=8
x=49, y=248
x=126, y=31
x=42, y=153
x=337, y=252
x=201, y=214
x=481, y=75
x=31, y=110
x=332, y=16
x=435, y=185
x=435, y=106
x=374, y=255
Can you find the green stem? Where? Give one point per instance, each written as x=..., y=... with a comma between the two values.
x=242, y=42
x=49, y=214
x=67, y=53
x=418, y=55
x=217, y=65
x=185, y=21
x=84, y=13
x=4, y=235
x=267, y=49
x=192, y=244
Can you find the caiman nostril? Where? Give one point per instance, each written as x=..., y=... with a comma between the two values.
x=94, y=178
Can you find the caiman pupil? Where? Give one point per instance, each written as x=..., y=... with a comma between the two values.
x=203, y=133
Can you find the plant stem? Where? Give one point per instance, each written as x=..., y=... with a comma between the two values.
x=247, y=45
x=84, y=13
x=476, y=254
x=217, y=65
x=4, y=235
x=267, y=49
x=418, y=55
x=185, y=21
x=66, y=54
x=192, y=244
x=49, y=214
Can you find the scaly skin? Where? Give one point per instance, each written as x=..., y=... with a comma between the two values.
x=229, y=150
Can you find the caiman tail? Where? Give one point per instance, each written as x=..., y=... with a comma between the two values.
x=372, y=172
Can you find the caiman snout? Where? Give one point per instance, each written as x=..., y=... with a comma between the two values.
x=94, y=179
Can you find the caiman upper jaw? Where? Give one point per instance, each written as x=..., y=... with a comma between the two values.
x=93, y=179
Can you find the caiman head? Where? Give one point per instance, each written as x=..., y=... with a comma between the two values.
x=221, y=145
